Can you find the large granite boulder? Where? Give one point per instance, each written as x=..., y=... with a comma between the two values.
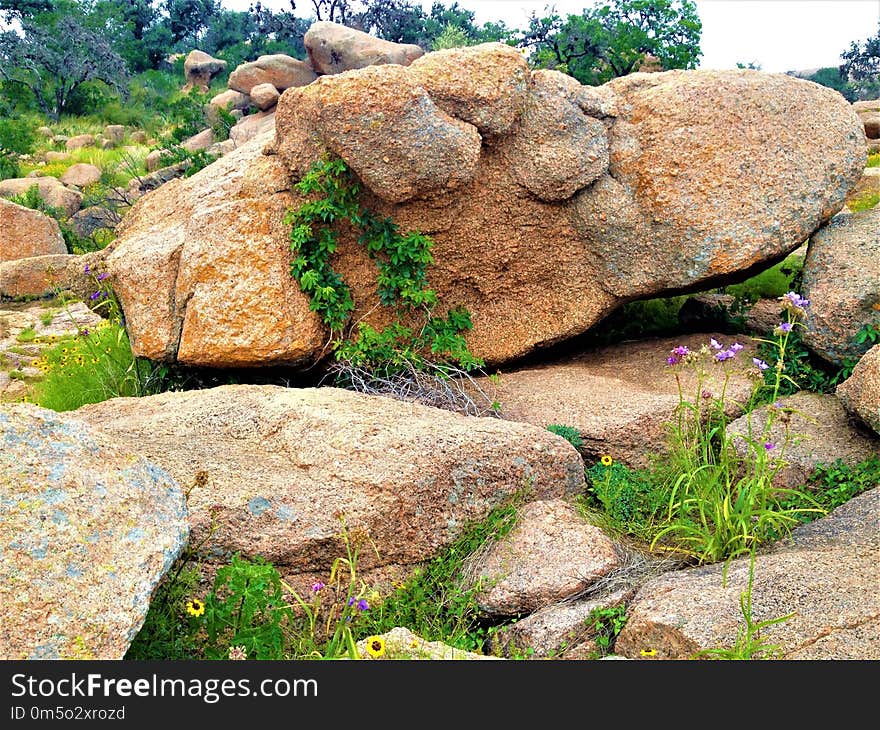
x=275, y=467
x=88, y=530
x=334, y=48
x=841, y=278
x=25, y=233
x=283, y=72
x=645, y=206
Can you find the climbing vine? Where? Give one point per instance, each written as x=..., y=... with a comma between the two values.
x=402, y=260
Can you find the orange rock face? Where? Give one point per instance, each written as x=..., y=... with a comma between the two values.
x=549, y=203
x=25, y=233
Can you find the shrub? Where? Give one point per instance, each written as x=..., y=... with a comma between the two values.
x=569, y=433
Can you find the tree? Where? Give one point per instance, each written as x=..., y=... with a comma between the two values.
x=612, y=40
x=53, y=56
x=188, y=19
x=861, y=66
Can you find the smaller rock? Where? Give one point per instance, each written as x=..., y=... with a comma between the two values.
x=860, y=392
x=401, y=643
x=872, y=125
x=153, y=160
x=229, y=100
x=51, y=189
x=25, y=233
x=53, y=156
x=550, y=554
x=265, y=96
x=60, y=139
x=810, y=429
x=115, y=133
x=45, y=132
x=80, y=141
x=557, y=628
x=35, y=276
x=252, y=126
x=200, y=69
x=138, y=137
x=200, y=141
x=81, y=175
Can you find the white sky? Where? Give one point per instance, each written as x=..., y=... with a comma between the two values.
x=780, y=35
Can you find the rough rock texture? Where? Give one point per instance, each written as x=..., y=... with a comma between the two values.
x=195, y=287
x=115, y=133
x=812, y=428
x=557, y=149
x=230, y=99
x=153, y=161
x=860, y=392
x=25, y=233
x=79, y=141
x=81, y=174
x=200, y=68
x=550, y=554
x=868, y=183
x=53, y=156
x=532, y=272
x=485, y=85
x=279, y=464
x=401, y=643
x=252, y=126
x=88, y=531
x=334, y=48
x=36, y=276
x=388, y=130
x=618, y=397
x=265, y=96
x=283, y=72
x=551, y=630
x=841, y=278
x=827, y=575
x=200, y=141
x=138, y=137
x=51, y=189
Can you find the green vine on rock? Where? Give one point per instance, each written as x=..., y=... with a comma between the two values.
x=402, y=260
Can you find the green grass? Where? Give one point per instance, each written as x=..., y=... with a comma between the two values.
x=771, y=283
x=865, y=201
x=873, y=160
x=89, y=369
x=28, y=334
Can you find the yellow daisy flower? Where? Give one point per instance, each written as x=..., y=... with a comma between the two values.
x=606, y=460
x=648, y=652
x=195, y=607
x=375, y=646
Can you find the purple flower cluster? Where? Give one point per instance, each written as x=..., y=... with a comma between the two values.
x=760, y=364
x=725, y=354
x=361, y=604
x=677, y=353
x=794, y=300
x=317, y=586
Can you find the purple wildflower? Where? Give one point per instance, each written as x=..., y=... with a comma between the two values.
x=736, y=347
x=769, y=446
x=680, y=351
x=724, y=355
x=706, y=394
x=671, y=360
x=760, y=364
x=103, y=276
x=317, y=586
x=363, y=605
x=94, y=295
x=86, y=269
x=351, y=601
x=796, y=300
x=785, y=327
x=85, y=332
x=716, y=345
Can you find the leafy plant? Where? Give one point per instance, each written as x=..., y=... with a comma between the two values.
x=801, y=370
x=631, y=500
x=873, y=160
x=865, y=201
x=402, y=260
x=606, y=624
x=721, y=504
x=246, y=608
x=569, y=433
x=831, y=485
